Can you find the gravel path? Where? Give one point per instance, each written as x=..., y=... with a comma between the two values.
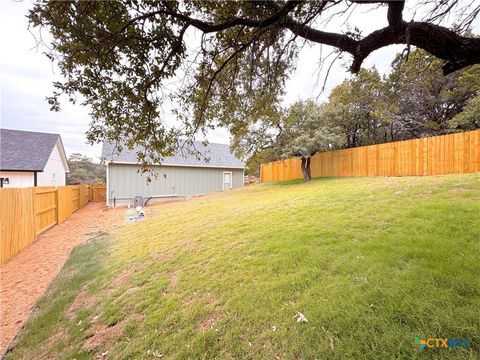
x=25, y=278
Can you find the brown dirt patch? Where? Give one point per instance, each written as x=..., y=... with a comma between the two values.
x=211, y=321
x=82, y=300
x=189, y=244
x=174, y=278
x=123, y=279
x=103, y=337
x=164, y=256
x=457, y=190
x=61, y=335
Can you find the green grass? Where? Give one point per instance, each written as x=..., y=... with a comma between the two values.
x=371, y=262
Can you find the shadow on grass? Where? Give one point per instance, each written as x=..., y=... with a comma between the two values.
x=301, y=181
x=84, y=266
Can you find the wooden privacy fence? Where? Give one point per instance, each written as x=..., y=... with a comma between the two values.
x=447, y=154
x=27, y=212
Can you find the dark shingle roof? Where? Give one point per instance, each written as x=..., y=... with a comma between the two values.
x=219, y=155
x=25, y=150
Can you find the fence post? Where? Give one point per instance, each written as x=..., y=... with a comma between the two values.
x=426, y=154
x=56, y=204
x=34, y=207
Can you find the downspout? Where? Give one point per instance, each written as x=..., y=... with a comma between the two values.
x=34, y=178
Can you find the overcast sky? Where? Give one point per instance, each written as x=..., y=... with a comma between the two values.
x=27, y=75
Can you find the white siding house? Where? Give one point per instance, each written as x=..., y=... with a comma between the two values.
x=55, y=169
x=17, y=179
x=30, y=158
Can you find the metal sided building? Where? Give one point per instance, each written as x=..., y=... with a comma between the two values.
x=181, y=175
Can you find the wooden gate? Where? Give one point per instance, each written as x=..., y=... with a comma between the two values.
x=97, y=192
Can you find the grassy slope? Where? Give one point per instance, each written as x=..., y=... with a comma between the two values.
x=371, y=262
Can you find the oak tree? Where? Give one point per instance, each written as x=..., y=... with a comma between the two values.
x=422, y=100
x=218, y=62
x=308, y=132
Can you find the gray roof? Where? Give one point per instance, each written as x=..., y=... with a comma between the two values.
x=25, y=150
x=212, y=155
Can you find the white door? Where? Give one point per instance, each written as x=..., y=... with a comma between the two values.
x=227, y=180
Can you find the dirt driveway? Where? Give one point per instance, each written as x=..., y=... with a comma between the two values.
x=25, y=278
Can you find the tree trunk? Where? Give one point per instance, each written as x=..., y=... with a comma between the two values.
x=307, y=175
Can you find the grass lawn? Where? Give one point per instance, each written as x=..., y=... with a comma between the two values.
x=372, y=263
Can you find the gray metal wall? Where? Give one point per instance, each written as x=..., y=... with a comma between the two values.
x=125, y=182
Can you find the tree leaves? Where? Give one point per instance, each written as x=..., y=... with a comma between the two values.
x=84, y=171
x=150, y=80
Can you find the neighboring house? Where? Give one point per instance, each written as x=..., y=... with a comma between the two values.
x=30, y=158
x=180, y=175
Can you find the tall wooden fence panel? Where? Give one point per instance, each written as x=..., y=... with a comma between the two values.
x=83, y=196
x=16, y=207
x=75, y=198
x=447, y=154
x=45, y=203
x=64, y=203
x=27, y=212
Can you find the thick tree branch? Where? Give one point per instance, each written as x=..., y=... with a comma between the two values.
x=456, y=50
x=207, y=27
x=340, y=41
x=394, y=15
